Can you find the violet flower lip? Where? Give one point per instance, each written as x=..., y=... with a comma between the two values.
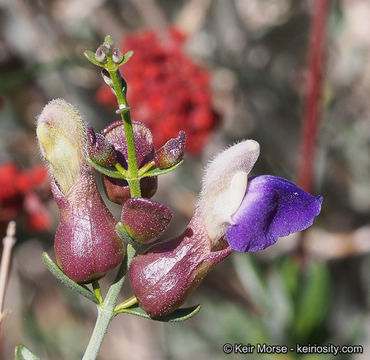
x=272, y=207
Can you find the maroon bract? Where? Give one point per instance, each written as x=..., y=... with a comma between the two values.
x=171, y=152
x=118, y=190
x=99, y=149
x=164, y=276
x=145, y=220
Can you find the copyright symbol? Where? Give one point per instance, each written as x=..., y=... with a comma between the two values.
x=228, y=348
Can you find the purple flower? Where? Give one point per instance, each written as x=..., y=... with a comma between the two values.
x=233, y=213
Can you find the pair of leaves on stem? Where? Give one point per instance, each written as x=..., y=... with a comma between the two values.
x=115, y=174
x=176, y=316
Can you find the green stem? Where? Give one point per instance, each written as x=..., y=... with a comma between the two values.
x=106, y=309
x=133, y=175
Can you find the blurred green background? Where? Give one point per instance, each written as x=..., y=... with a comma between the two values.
x=255, y=52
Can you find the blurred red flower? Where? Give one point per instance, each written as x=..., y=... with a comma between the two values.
x=18, y=196
x=167, y=90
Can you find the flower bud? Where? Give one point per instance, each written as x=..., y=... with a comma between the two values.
x=171, y=152
x=100, y=55
x=117, y=56
x=117, y=190
x=145, y=220
x=99, y=149
x=86, y=244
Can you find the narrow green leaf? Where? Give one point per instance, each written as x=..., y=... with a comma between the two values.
x=111, y=173
x=22, y=353
x=127, y=57
x=65, y=280
x=176, y=316
x=157, y=171
x=313, y=302
x=90, y=55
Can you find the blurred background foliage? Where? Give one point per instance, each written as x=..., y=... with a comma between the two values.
x=252, y=54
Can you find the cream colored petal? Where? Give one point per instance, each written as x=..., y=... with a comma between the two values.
x=61, y=133
x=224, y=186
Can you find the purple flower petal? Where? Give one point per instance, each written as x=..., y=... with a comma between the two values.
x=272, y=207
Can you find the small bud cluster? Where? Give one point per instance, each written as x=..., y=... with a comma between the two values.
x=107, y=49
x=169, y=91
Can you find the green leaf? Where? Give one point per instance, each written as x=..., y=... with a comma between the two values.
x=22, y=353
x=90, y=55
x=111, y=173
x=176, y=316
x=313, y=302
x=127, y=57
x=290, y=275
x=65, y=280
x=157, y=171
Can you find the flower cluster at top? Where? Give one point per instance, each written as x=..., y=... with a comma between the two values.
x=18, y=196
x=234, y=211
x=168, y=91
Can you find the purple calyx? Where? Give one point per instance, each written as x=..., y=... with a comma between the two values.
x=118, y=190
x=145, y=220
x=86, y=244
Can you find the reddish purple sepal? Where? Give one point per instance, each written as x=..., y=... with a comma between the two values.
x=167, y=273
x=272, y=207
x=86, y=243
x=99, y=149
x=145, y=220
x=117, y=190
x=171, y=152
